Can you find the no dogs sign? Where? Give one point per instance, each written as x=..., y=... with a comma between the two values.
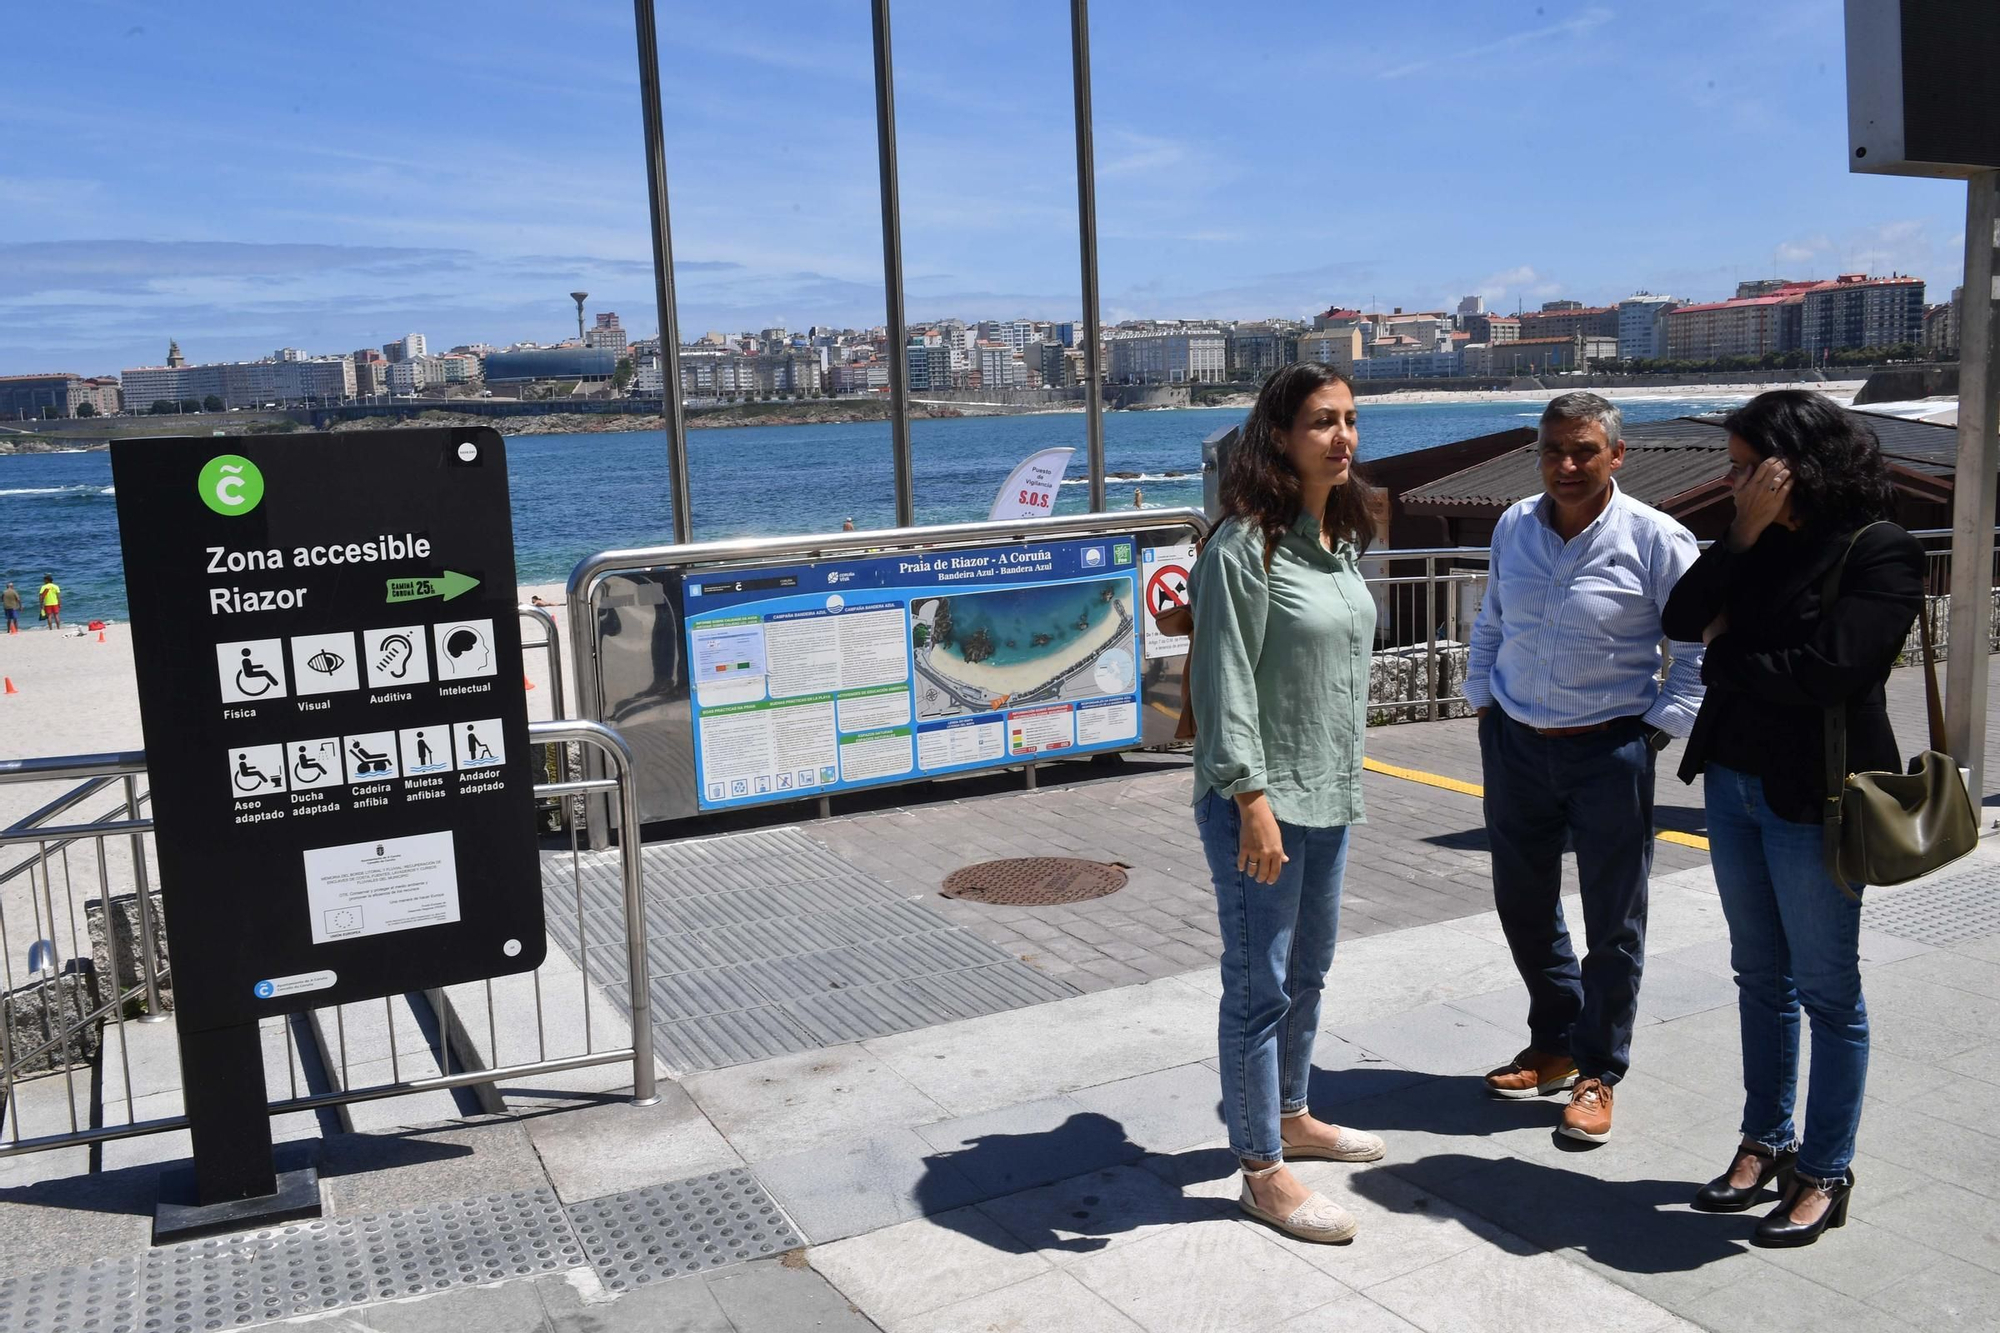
x=1166, y=586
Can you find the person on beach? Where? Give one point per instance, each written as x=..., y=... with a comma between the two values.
x=1279, y=662
x=10, y=601
x=1811, y=488
x=51, y=599
x=1563, y=669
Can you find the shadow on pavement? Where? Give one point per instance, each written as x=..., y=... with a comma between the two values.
x=1089, y=1198
x=1633, y=1226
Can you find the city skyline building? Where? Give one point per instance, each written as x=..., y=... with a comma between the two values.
x=1642, y=326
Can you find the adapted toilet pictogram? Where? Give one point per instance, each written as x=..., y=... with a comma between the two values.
x=256, y=770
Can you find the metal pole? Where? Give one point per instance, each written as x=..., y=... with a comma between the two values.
x=1086, y=231
x=892, y=270
x=1975, y=488
x=637, y=970
x=148, y=963
x=663, y=269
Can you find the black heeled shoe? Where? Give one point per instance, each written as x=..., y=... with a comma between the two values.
x=1719, y=1196
x=1778, y=1231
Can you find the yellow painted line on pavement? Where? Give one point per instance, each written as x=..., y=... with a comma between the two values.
x=1438, y=780
x=1428, y=779
x=1173, y=713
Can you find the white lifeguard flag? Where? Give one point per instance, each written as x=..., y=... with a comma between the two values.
x=1030, y=489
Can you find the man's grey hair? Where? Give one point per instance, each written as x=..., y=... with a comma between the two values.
x=1581, y=406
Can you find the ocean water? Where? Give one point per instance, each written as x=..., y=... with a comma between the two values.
x=577, y=494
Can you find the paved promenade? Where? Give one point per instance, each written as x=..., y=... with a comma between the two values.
x=1007, y=1119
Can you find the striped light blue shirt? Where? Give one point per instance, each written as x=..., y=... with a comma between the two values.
x=1569, y=632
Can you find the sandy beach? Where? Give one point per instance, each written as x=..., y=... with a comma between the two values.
x=1841, y=391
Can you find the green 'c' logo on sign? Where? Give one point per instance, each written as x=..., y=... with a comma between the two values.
x=231, y=484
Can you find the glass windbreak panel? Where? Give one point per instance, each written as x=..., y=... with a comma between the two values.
x=988, y=160
x=771, y=153
x=242, y=219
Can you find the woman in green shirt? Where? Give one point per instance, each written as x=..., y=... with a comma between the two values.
x=1278, y=676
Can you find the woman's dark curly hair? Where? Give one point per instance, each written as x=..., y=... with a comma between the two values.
x=1839, y=480
x=1259, y=484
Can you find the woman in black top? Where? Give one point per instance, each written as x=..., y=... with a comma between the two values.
x=1810, y=487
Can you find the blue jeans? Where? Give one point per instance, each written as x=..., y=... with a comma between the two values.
x=1277, y=943
x=1595, y=793
x=1794, y=941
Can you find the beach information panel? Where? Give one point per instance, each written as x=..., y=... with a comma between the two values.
x=815, y=678
x=329, y=666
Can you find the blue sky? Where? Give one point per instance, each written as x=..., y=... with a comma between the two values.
x=246, y=176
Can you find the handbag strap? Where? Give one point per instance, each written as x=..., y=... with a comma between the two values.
x=1933, y=705
x=1836, y=732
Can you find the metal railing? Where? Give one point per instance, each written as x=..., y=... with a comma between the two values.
x=1424, y=622
x=67, y=1073
x=550, y=645
x=626, y=628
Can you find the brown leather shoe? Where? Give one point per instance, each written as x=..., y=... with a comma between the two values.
x=1588, y=1115
x=1533, y=1074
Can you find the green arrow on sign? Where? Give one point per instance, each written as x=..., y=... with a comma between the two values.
x=446, y=585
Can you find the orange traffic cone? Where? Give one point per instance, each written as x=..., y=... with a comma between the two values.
x=10, y=684
x=100, y=636
x=529, y=683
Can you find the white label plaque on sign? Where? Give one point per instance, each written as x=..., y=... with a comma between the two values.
x=375, y=888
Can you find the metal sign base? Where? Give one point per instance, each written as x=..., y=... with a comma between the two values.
x=179, y=1216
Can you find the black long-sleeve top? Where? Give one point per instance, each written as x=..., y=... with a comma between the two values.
x=1784, y=659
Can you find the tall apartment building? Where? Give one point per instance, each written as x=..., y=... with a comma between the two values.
x=930, y=363
x=1566, y=319
x=1000, y=366
x=242, y=383
x=410, y=375
x=607, y=334
x=1745, y=326
x=1258, y=349
x=1642, y=326
x=1855, y=310
x=1336, y=347
x=1486, y=328
x=32, y=397
x=1176, y=355
x=1941, y=326
x=1535, y=356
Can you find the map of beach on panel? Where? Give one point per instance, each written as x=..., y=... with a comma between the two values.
x=816, y=678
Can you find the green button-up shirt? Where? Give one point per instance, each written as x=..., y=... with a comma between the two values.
x=1278, y=672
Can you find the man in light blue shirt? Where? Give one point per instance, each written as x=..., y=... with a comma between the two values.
x=1564, y=669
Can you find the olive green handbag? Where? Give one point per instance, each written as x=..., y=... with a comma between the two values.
x=1890, y=828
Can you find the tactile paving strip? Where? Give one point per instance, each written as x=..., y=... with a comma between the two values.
x=234, y=1281
x=1951, y=910
x=763, y=944
x=683, y=1227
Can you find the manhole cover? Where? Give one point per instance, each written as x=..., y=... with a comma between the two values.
x=1035, y=881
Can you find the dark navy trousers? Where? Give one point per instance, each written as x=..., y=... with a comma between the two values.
x=1592, y=793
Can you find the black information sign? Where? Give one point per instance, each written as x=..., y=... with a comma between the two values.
x=329, y=663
